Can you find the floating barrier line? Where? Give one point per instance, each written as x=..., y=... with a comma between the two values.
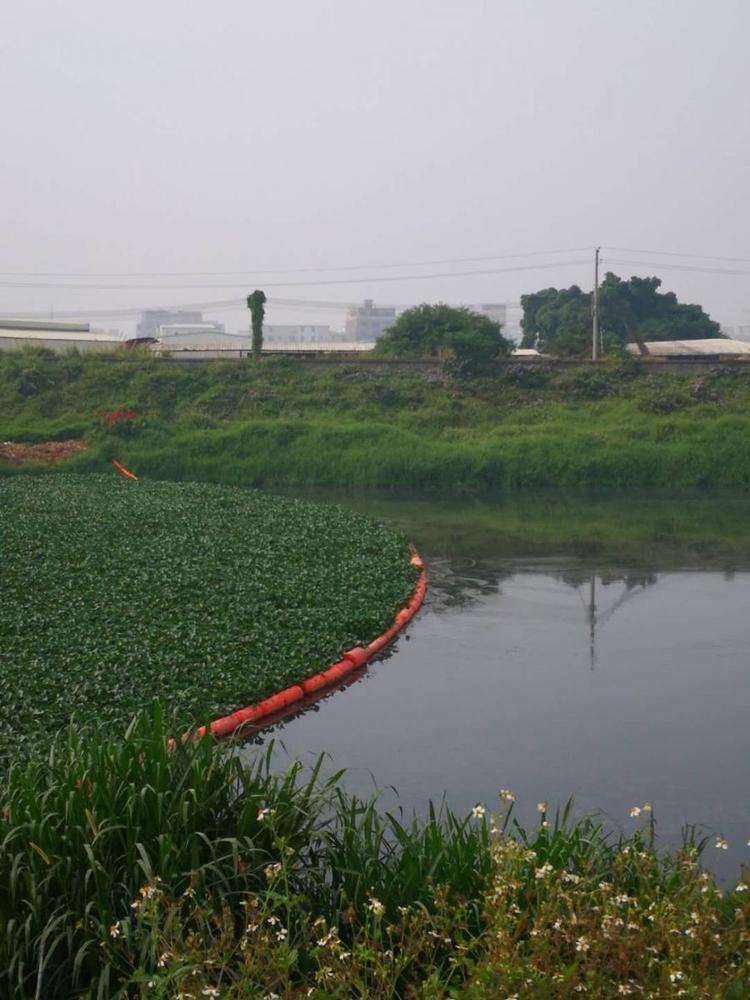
x=352, y=660
x=121, y=468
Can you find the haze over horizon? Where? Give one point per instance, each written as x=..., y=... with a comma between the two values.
x=184, y=150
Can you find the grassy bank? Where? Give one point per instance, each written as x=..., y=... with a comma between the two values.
x=208, y=598
x=275, y=422
x=185, y=873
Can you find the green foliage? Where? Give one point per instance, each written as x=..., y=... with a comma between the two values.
x=530, y=426
x=115, y=594
x=559, y=321
x=256, y=303
x=131, y=866
x=471, y=341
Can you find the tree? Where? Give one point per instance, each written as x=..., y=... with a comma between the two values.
x=471, y=341
x=255, y=304
x=559, y=320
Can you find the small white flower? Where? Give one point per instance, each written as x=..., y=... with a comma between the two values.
x=478, y=811
x=647, y=807
x=740, y=887
x=541, y=807
x=506, y=795
x=281, y=934
x=544, y=871
x=114, y=931
x=375, y=907
x=582, y=944
x=675, y=976
x=721, y=844
x=263, y=813
x=635, y=811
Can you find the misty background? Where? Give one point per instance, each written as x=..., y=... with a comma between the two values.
x=165, y=153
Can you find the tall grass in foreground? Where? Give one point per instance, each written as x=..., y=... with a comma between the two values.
x=130, y=869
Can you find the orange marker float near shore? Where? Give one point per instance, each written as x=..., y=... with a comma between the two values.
x=121, y=468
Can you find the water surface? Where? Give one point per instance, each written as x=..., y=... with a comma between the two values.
x=557, y=676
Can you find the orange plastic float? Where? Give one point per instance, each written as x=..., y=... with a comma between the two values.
x=121, y=468
x=352, y=660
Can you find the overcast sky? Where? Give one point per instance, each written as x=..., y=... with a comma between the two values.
x=240, y=136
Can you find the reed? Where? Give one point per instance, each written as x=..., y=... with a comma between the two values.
x=129, y=868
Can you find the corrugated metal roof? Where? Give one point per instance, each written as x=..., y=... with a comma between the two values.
x=687, y=348
x=74, y=336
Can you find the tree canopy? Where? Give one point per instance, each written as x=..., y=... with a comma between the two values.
x=559, y=319
x=256, y=303
x=468, y=339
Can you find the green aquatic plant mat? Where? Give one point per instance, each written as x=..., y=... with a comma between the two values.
x=115, y=594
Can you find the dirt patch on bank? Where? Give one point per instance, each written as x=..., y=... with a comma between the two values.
x=41, y=453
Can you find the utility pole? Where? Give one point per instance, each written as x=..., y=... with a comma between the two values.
x=595, y=310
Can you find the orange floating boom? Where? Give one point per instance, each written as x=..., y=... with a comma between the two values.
x=121, y=468
x=351, y=660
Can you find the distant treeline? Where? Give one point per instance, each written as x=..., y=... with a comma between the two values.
x=559, y=320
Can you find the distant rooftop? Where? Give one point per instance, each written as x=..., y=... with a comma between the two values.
x=687, y=348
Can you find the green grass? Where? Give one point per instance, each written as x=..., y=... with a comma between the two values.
x=275, y=422
x=129, y=869
x=207, y=598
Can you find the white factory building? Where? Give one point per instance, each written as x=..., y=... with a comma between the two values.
x=16, y=334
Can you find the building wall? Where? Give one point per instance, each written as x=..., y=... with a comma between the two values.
x=152, y=319
x=368, y=321
x=11, y=340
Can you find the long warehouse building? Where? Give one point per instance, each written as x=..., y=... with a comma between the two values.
x=55, y=336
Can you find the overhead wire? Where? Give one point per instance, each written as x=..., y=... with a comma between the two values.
x=252, y=272
x=674, y=253
x=661, y=265
x=368, y=279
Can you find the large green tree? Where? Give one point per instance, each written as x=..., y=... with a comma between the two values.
x=471, y=341
x=559, y=320
x=255, y=303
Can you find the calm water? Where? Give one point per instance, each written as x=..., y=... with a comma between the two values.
x=555, y=676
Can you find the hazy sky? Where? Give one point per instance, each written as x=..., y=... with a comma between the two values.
x=240, y=136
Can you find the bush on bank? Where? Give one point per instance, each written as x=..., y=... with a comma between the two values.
x=276, y=422
x=131, y=869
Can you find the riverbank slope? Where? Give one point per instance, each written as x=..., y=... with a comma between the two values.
x=279, y=423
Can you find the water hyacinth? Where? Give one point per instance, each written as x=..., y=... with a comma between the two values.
x=115, y=594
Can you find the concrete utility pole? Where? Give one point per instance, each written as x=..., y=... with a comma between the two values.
x=595, y=310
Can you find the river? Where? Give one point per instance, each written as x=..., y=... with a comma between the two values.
x=608, y=665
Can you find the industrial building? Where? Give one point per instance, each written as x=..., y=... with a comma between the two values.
x=59, y=337
x=368, y=321
x=714, y=347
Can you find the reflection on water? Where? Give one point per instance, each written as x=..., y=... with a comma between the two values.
x=612, y=682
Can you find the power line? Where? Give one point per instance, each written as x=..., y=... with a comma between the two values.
x=670, y=253
x=251, y=273
x=660, y=265
x=369, y=279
